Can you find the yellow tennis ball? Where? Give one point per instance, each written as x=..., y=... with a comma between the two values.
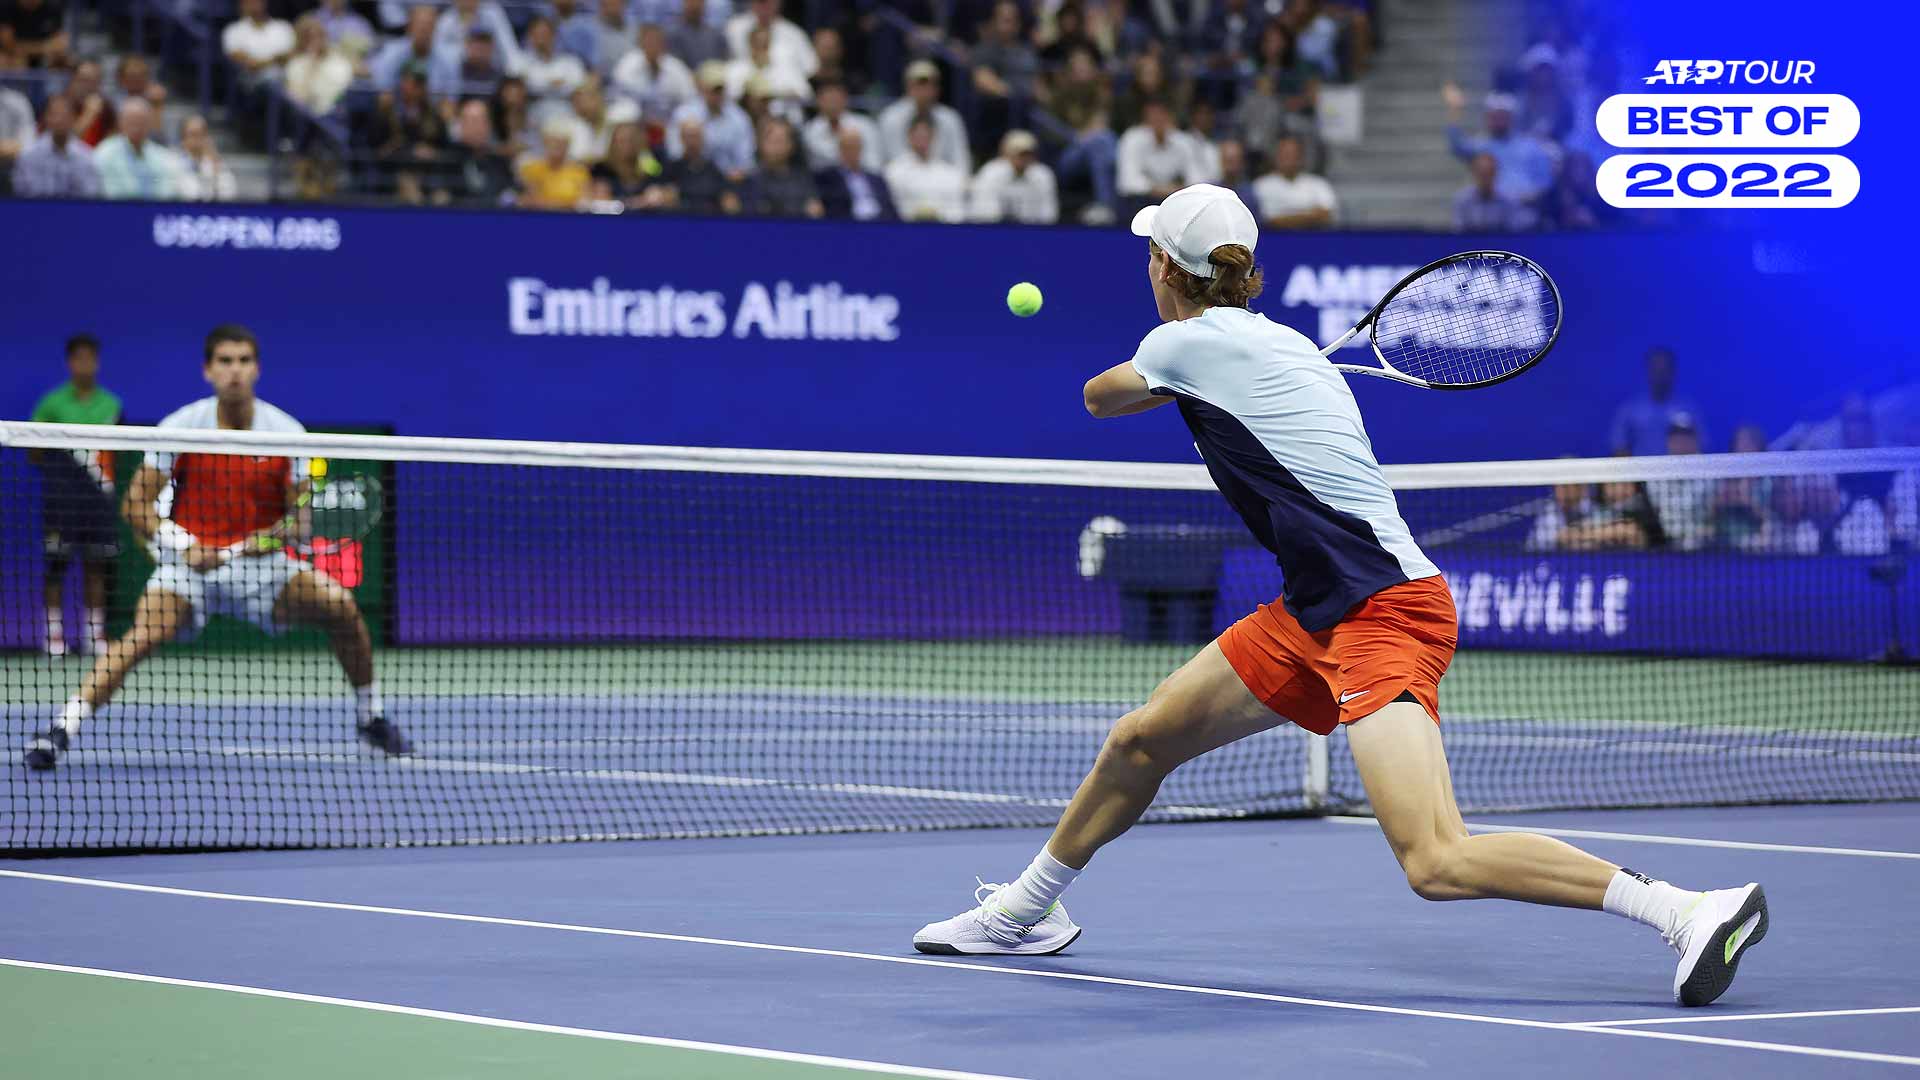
x=1024, y=299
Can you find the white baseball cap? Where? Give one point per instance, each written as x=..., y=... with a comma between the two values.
x=1191, y=222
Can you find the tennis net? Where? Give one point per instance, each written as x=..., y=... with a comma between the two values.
x=597, y=642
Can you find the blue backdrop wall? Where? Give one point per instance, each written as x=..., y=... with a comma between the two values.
x=885, y=338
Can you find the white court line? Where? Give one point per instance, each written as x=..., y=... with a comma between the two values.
x=1748, y=1044
x=921, y=961
x=517, y=1025
x=1646, y=838
x=1716, y=1019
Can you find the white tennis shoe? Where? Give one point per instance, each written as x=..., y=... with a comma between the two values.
x=1711, y=937
x=988, y=931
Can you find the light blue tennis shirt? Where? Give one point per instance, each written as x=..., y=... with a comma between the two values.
x=1281, y=435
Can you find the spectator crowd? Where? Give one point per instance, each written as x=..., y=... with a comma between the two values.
x=958, y=110
x=1843, y=513
x=94, y=138
x=1531, y=162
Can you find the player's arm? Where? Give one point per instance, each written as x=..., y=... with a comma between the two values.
x=1120, y=391
x=167, y=542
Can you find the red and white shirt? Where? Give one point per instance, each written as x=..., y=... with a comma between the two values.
x=223, y=498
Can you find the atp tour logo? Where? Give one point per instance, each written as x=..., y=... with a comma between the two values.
x=1731, y=72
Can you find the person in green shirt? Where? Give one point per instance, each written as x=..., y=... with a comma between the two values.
x=77, y=503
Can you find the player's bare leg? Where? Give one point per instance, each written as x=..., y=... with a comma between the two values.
x=156, y=620
x=311, y=599
x=1201, y=707
x=1404, y=767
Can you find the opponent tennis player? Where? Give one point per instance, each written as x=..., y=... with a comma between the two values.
x=1360, y=637
x=219, y=499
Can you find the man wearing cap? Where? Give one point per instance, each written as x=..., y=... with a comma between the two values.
x=1526, y=162
x=1361, y=634
x=729, y=134
x=1015, y=186
x=922, y=101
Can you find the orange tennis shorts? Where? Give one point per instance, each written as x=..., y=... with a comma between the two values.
x=1395, y=643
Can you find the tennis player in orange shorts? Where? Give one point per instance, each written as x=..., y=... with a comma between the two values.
x=1359, y=639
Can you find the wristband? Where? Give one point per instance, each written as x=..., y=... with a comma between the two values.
x=170, y=543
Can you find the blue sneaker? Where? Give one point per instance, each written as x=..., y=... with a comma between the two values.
x=43, y=753
x=383, y=734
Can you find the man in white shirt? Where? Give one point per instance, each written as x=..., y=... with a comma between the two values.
x=1684, y=505
x=255, y=42
x=1015, y=186
x=591, y=120
x=789, y=45
x=822, y=133
x=926, y=188
x=922, y=101
x=1154, y=160
x=783, y=80
x=16, y=131
x=653, y=78
x=1290, y=198
x=550, y=74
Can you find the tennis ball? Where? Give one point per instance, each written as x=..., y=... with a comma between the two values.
x=1024, y=299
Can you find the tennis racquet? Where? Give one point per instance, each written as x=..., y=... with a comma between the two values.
x=1469, y=320
x=329, y=515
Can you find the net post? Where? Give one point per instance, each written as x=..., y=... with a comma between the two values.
x=1315, y=784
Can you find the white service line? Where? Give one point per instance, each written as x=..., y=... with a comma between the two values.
x=517, y=1025
x=1748, y=1044
x=921, y=961
x=1646, y=838
x=1713, y=1018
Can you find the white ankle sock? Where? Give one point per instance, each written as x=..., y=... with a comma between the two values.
x=1036, y=889
x=370, y=704
x=56, y=625
x=1636, y=896
x=76, y=713
x=96, y=624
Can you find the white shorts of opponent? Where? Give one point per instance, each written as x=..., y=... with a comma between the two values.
x=245, y=588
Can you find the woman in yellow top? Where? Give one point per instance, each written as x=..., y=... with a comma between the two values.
x=554, y=181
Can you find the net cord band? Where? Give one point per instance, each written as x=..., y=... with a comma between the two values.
x=1152, y=476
